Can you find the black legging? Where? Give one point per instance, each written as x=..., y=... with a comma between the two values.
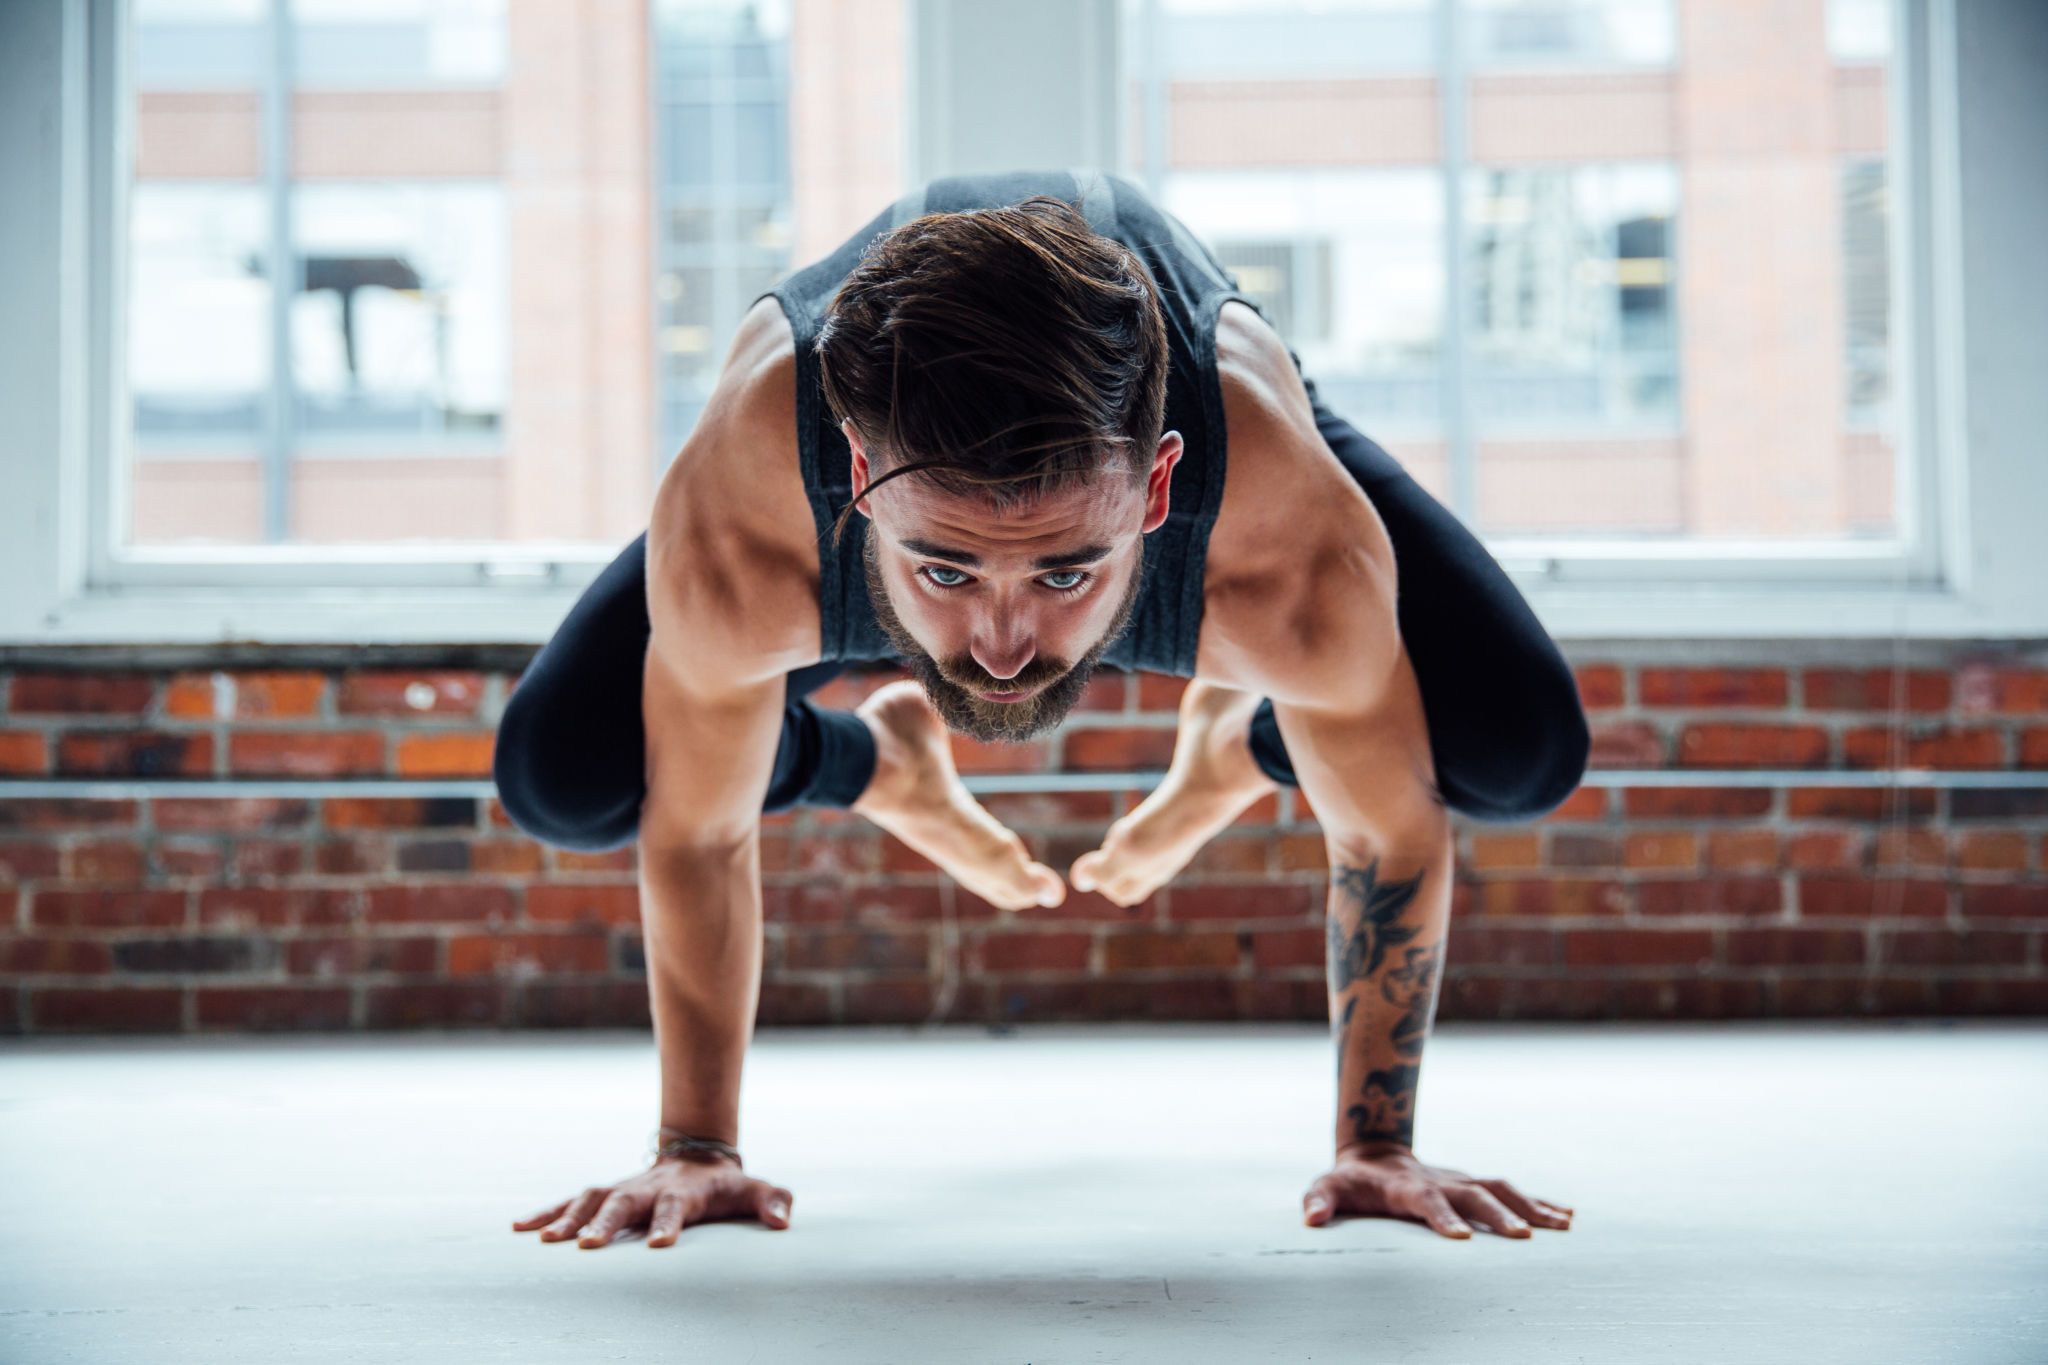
x=1506, y=729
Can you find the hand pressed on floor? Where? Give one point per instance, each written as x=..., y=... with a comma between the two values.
x=1394, y=1184
x=665, y=1198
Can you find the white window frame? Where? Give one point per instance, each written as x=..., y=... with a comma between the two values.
x=1969, y=342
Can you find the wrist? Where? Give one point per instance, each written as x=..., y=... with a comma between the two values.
x=1369, y=1151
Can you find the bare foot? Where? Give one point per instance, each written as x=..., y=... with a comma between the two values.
x=917, y=795
x=1211, y=779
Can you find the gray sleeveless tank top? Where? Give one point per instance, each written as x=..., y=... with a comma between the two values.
x=1167, y=620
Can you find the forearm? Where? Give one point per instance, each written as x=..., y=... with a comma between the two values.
x=701, y=922
x=1389, y=912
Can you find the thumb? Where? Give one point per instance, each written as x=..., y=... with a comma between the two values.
x=771, y=1204
x=1319, y=1205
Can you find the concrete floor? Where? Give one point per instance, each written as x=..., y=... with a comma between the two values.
x=1806, y=1194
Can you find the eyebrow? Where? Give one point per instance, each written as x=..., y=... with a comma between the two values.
x=1080, y=554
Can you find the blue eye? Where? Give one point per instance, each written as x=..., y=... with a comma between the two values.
x=1081, y=576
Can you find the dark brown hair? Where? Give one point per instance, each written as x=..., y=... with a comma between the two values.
x=1004, y=349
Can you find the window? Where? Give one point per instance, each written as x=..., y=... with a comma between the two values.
x=1597, y=269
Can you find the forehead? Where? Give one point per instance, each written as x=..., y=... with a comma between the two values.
x=928, y=521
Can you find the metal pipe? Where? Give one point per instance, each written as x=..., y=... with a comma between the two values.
x=131, y=788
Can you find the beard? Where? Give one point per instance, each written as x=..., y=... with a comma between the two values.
x=996, y=722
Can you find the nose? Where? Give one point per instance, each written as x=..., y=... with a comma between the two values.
x=1005, y=663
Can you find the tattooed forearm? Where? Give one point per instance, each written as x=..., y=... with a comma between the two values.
x=1411, y=988
x=1388, y=1114
x=1374, y=957
x=1364, y=921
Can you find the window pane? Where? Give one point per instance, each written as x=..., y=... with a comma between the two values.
x=740, y=107
x=1570, y=32
x=198, y=318
x=1672, y=279
x=398, y=329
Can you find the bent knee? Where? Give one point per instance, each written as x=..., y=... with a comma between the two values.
x=1526, y=770
x=550, y=796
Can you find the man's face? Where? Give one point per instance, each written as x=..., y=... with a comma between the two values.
x=1028, y=601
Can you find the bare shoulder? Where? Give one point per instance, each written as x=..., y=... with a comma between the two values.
x=732, y=554
x=1298, y=587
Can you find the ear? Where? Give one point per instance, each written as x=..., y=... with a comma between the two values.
x=1164, y=459
x=860, y=466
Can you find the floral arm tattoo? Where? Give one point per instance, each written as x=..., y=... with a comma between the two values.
x=1375, y=923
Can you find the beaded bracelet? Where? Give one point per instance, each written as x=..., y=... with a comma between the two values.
x=675, y=1142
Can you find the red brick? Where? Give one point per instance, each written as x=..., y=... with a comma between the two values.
x=49, y=955
x=519, y=954
x=1877, y=747
x=1301, y=853
x=973, y=756
x=1227, y=855
x=60, y=813
x=359, y=954
x=2034, y=747
x=2026, y=899
x=273, y=696
x=134, y=753
x=107, y=909
x=1858, y=803
x=1263, y=900
x=1916, y=848
x=99, y=694
x=1753, y=746
x=1795, y=947
x=1697, y=803
x=1275, y=950
x=1521, y=852
x=1585, y=803
x=1109, y=690
x=1747, y=897
x=372, y=812
x=801, y=902
x=462, y=902
x=238, y=814
x=1875, y=689
x=581, y=1002
x=1638, y=948
x=1600, y=686
x=305, y=753
x=873, y=1000
x=1144, y=949
x=1869, y=896
x=262, y=1009
x=1024, y=951
x=862, y=949
x=1117, y=748
x=28, y=860
x=478, y=1003
x=1824, y=850
x=505, y=857
x=1160, y=692
x=1577, y=850
x=106, y=860
x=115, y=1010
x=437, y=693
x=192, y=696
x=446, y=755
x=249, y=907
x=599, y=903
x=1712, y=686
x=794, y=1004
x=625, y=859
x=1552, y=896
x=2020, y=691
x=352, y=856
x=1627, y=744
x=1950, y=948
x=176, y=858
x=1022, y=810
x=1661, y=851
x=1991, y=851
x=1493, y=946
x=1742, y=850
x=24, y=753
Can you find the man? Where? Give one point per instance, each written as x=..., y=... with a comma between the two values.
x=1071, y=441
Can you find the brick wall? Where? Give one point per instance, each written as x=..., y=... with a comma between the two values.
x=196, y=913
